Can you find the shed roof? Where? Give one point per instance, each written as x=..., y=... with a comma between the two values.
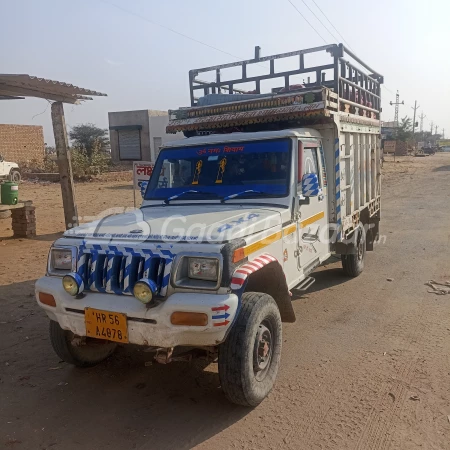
x=15, y=85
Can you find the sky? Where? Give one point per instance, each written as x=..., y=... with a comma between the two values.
x=125, y=49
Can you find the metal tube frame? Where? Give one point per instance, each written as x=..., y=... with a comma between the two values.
x=348, y=79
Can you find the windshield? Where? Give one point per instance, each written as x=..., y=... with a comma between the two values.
x=219, y=170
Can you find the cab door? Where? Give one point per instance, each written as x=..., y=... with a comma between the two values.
x=312, y=226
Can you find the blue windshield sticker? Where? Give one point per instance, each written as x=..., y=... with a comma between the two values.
x=273, y=146
x=220, y=170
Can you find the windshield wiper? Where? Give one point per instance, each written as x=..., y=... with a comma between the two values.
x=249, y=191
x=191, y=191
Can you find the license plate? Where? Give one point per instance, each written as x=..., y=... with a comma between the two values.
x=107, y=325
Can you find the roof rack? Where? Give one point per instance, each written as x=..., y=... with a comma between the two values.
x=353, y=89
x=346, y=74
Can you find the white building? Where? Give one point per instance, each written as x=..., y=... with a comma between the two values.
x=138, y=135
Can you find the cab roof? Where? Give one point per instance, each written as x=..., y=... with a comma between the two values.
x=236, y=137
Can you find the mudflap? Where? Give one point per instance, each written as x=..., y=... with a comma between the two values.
x=373, y=231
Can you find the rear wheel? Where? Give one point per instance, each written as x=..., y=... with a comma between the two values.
x=250, y=357
x=353, y=264
x=81, y=355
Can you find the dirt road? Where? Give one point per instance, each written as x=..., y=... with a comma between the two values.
x=366, y=365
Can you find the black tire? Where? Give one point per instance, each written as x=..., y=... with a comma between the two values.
x=249, y=358
x=353, y=264
x=15, y=176
x=81, y=356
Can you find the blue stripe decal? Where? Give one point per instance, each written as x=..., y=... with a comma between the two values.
x=165, y=281
x=106, y=278
x=221, y=316
x=338, y=188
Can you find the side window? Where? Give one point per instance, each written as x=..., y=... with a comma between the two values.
x=310, y=164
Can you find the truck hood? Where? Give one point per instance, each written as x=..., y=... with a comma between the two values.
x=193, y=223
x=11, y=165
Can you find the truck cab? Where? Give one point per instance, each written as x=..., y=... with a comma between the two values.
x=235, y=219
x=9, y=170
x=272, y=180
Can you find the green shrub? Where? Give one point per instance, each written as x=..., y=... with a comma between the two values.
x=85, y=168
x=46, y=165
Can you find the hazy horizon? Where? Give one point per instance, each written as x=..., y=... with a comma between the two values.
x=140, y=65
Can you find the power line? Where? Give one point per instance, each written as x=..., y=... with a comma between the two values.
x=314, y=14
x=169, y=29
x=329, y=21
x=337, y=31
x=132, y=13
x=307, y=21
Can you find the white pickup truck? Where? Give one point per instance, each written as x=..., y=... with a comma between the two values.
x=235, y=218
x=9, y=170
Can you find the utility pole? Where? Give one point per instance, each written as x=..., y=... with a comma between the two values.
x=443, y=133
x=414, y=118
x=422, y=116
x=397, y=103
x=435, y=130
x=432, y=125
x=64, y=165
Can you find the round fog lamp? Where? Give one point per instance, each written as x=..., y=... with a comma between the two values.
x=73, y=284
x=143, y=290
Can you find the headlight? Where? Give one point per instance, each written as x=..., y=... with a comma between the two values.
x=62, y=261
x=203, y=269
x=200, y=271
x=143, y=290
x=73, y=284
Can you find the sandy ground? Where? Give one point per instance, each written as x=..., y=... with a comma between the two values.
x=366, y=365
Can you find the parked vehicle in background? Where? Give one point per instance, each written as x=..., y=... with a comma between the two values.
x=9, y=170
x=429, y=150
x=264, y=189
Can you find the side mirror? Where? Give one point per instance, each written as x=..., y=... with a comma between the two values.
x=310, y=185
x=143, y=187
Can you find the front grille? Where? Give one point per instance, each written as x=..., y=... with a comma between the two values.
x=117, y=273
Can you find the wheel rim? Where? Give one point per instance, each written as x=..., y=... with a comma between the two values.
x=263, y=350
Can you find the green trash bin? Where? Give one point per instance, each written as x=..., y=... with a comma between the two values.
x=10, y=193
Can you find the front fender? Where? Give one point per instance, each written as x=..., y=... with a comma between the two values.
x=265, y=274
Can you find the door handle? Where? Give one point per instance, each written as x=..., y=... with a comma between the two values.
x=320, y=197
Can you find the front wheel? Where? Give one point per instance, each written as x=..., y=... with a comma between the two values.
x=15, y=176
x=89, y=354
x=250, y=356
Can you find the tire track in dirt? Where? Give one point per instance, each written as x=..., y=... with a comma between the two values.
x=392, y=395
x=361, y=412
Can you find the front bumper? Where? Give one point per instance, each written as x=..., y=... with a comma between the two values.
x=146, y=326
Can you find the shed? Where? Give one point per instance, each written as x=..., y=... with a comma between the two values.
x=18, y=86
